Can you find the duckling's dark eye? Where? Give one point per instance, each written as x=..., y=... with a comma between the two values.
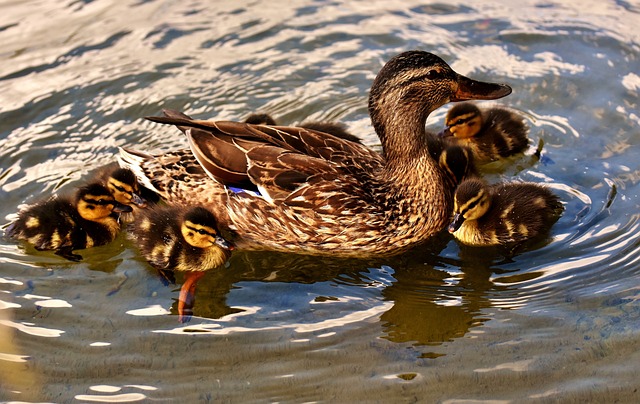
x=201, y=231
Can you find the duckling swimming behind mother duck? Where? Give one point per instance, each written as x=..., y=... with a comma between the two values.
x=320, y=194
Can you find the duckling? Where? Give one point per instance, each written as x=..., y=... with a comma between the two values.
x=124, y=186
x=503, y=214
x=180, y=239
x=457, y=163
x=491, y=134
x=336, y=129
x=65, y=224
x=260, y=119
x=333, y=128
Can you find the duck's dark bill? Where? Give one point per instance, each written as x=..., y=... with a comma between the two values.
x=469, y=89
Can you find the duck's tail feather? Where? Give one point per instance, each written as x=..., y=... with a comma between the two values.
x=134, y=161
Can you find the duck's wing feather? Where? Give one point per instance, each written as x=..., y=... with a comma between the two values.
x=277, y=160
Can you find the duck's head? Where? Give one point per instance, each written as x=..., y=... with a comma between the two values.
x=199, y=229
x=124, y=187
x=411, y=86
x=463, y=121
x=471, y=201
x=96, y=203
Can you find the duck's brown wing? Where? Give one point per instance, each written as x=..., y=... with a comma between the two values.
x=275, y=159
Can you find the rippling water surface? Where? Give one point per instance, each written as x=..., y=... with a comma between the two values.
x=440, y=323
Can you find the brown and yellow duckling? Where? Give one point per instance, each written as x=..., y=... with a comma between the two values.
x=491, y=134
x=504, y=214
x=457, y=164
x=63, y=224
x=180, y=239
x=124, y=186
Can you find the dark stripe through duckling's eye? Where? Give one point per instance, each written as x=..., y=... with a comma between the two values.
x=201, y=230
x=463, y=119
x=121, y=189
x=101, y=201
x=472, y=203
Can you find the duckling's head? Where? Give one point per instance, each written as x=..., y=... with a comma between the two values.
x=457, y=163
x=199, y=229
x=463, y=121
x=411, y=86
x=95, y=203
x=124, y=187
x=471, y=201
x=260, y=119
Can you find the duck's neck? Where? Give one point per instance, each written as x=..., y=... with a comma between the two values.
x=415, y=186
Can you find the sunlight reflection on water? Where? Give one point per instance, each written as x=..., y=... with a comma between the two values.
x=439, y=323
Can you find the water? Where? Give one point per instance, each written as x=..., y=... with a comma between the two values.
x=440, y=323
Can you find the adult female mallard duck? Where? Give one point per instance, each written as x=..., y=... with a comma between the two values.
x=504, y=214
x=66, y=224
x=180, y=239
x=491, y=134
x=318, y=193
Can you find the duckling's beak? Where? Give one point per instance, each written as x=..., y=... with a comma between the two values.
x=138, y=200
x=469, y=89
x=445, y=132
x=121, y=208
x=455, y=224
x=221, y=242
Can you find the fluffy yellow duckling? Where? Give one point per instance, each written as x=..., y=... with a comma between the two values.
x=66, y=224
x=502, y=214
x=490, y=134
x=180, y=239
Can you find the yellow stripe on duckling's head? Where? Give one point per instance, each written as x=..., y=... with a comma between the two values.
x=123, y=185
x=95, y=203
x=472, y=199
x=199, y=229
x=464, y=120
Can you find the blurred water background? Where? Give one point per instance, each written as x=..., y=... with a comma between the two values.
x=437, y=324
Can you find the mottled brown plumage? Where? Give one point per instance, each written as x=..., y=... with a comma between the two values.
x=490, y=133
x=503, y=214
x=321, y=194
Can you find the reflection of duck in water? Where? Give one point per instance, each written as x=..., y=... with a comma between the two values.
x=320, y=194
x=428, y=310
x=490, y=134
x=502, y=214
x=64, y=224
x=179, y=239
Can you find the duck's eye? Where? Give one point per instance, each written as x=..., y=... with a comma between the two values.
x=433, y=74
x=201, y=231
